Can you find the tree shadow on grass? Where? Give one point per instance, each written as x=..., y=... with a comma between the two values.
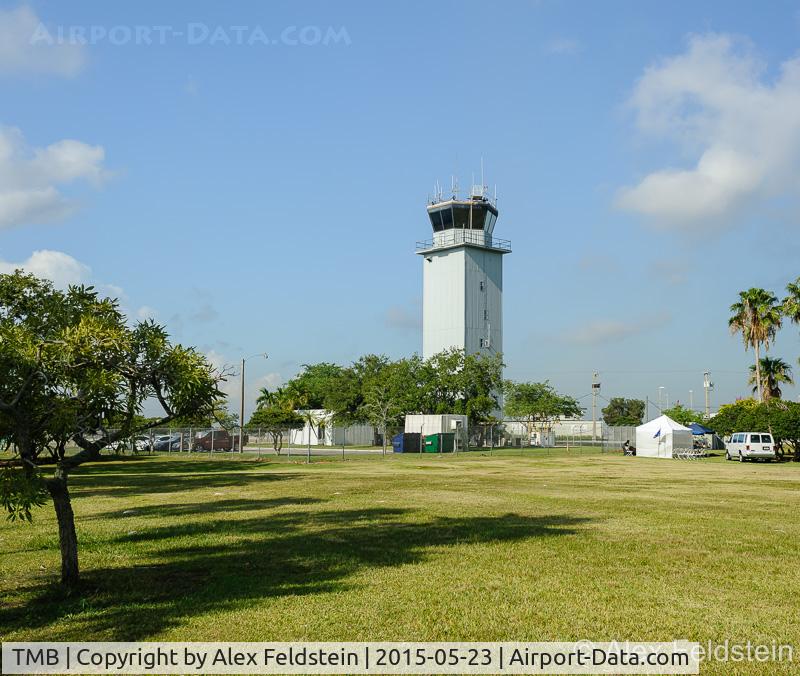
x=136, y=478
x=235, y=561
x=210, y=506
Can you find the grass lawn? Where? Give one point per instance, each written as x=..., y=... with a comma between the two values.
x=534, y=547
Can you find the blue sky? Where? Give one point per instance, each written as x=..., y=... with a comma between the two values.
x=261, y=197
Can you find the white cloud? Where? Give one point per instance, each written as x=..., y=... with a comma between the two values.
x=29, y=177
x=562, y=46
x=146, y=312
x=64, y=270
x=60, y=268
x=603, y=331
x=741, y=128
x=400, y=318
x=26, y=46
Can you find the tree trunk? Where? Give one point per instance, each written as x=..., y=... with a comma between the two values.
x=67, y=539
x=758, y=371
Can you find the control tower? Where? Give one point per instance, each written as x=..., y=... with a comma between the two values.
x=462, y=276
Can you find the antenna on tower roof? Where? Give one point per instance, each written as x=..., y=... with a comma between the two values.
x=483, y=185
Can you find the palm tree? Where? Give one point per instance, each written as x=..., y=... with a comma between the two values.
x=267, y=398
x=774, y=373
x=791, y=304
x=757, y=316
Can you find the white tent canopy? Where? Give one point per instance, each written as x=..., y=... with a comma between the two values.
x=660, y=437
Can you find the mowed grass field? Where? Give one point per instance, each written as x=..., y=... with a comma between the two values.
x=558, y=547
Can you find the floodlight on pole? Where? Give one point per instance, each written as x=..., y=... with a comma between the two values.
x=241, y=401
x=708, y=386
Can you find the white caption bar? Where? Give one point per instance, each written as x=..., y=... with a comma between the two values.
x=678, y=657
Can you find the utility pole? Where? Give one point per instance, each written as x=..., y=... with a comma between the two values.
x=707, y=385
x=595, y=390
x=691, y=400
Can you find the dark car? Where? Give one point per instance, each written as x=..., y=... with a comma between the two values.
x=222, y=441
x=167, y=442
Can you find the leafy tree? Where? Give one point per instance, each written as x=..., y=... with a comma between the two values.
x=774, y=373
x=70, y=364
x=739, y=416
x=781, y=418
x=466, y=384
x=389, y=393
x=220, y=415
x=449, y=382
x=757, y=316
x=276, y=415
x=316, y=384
x=622, y=412
x=684, y=416
x=381, y=408
x=538, y=405
x=784, y=419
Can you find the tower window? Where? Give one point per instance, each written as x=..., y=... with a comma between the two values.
x=486, y=314
x=481, y=286
x=481, y=342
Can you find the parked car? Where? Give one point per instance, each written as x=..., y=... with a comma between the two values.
x=750, y=446
x=167, y=442
x=138, y=444
x=222, y=439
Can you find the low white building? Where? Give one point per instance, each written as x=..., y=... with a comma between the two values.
x=435, y=424
x=322, y=431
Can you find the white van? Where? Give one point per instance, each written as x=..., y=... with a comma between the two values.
x=750, y=446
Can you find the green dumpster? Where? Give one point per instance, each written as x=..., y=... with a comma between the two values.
x=440, y=443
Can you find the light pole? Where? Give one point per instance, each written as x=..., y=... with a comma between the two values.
x=595, y=390
x=241, y=401
x=707, y=385
x=691, y=400
x=660, y=392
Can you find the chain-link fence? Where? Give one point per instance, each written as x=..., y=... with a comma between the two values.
x=357, y=440
x=615, y=437
x=259, y=441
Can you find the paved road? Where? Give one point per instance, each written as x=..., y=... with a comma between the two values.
x=299, y=450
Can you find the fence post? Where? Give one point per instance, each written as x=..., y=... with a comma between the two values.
x=211, y=445
x=344, y=440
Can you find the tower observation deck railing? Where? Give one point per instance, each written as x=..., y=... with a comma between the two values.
x=458, y=236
